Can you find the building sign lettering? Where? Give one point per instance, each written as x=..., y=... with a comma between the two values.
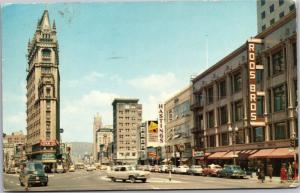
x=161, y=129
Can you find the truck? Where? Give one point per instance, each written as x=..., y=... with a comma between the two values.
x=125, y=173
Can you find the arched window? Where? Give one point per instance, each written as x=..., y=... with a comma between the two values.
x=46, y=52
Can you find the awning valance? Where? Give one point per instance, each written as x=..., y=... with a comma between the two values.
x=217, y=155
x=263, y=153
x=231, y=155
x=282, y=153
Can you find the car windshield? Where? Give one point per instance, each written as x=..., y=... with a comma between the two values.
x=35, y=167
x=236, y=167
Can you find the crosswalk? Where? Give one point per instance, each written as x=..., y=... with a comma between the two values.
x=152, y=180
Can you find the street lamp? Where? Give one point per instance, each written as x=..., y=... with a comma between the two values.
x=233, y=132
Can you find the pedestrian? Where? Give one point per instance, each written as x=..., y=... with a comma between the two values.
x=262, y=173
x=258, y=173
x=283, y=173
x=270, y=171
x=290, y=172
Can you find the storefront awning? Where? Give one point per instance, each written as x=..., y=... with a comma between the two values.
x=263, y=153
x=217, y=155
x=230, y=155
x=246, y=153
x=282, y=153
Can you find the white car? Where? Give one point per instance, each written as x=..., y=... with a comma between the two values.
x=72, y=168
x=195, y=170
x=93, y=167
x=127, y=173
x=163, y=168
x=89, y=168
x=59, y=168
x=181, y=169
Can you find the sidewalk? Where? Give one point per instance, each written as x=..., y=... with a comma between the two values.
x=276, y=180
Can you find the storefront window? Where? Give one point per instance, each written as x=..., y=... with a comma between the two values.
x=258, y=134
x=280, y=131
x=279, y=98
x=259, y=76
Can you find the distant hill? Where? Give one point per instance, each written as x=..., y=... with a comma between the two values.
x=81, y=148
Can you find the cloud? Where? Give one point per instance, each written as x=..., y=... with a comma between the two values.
x=154, y=82
x=88, y=78
x=77, y=115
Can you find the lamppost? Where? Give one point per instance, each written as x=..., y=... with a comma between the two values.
x=293, y=145
x=233, y=132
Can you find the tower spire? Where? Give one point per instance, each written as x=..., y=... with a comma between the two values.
x=54, y=26
x=44, y=23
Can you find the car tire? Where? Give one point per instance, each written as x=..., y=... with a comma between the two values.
x=21, y=183
x=144, y=180
x=132, y=179
x=113, y=179
x=123, y=180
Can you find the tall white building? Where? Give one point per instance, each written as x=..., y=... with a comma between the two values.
x=43, y=93
x=270, y=11
x=104, y=138
x=96, y=126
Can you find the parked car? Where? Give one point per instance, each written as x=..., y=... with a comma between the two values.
x=231, y=171
x=93, y=167
x=33, y=173
x=147, y=168
x=89, y=168
x=181, y=169
x=195, y=170
x=163, y=168
x=211, y=170
x=152, y=169
x=11, y=170
x=127, y=173
x=72, y=168
x=60, y=168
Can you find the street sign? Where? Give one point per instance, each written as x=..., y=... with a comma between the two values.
x=199, y=153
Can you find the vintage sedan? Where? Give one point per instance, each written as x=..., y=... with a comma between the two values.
x=33, y=173
x=181, y=169
x=125, y=173
x=232, y=171
x=195, y=170
x=211, y=170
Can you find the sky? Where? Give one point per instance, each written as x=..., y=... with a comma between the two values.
x=144, y=50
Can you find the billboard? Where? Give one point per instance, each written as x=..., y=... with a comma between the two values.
x=161, y=128
x=152, y=131
x=252, y=67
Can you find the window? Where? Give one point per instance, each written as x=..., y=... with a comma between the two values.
x=269, y=65
x=46, y=70
x=262, y=2
x=281, y=14
x=281, y=2
x=240, y=136
x=277, y=62
x=48, y=135
x=272, y=21
x=210, y=95
x=279, y=98
x=238, y=111
x=133, y=154
x=270, y=132
x=212, y=140
x=225, y=139
x=223, y=115
x=48, y=105
x=222, y=88
x=210, y=119
x=237, y=82
x=46, y=53
x=280, y=131
x=295, y=54
x=263, y=27
x=260, y=106
x=271, y=8
x=259, y=76
x=258, y=133
x=292, y=7
x=263, y=15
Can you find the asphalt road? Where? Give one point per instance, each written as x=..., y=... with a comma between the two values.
x=96, y=180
